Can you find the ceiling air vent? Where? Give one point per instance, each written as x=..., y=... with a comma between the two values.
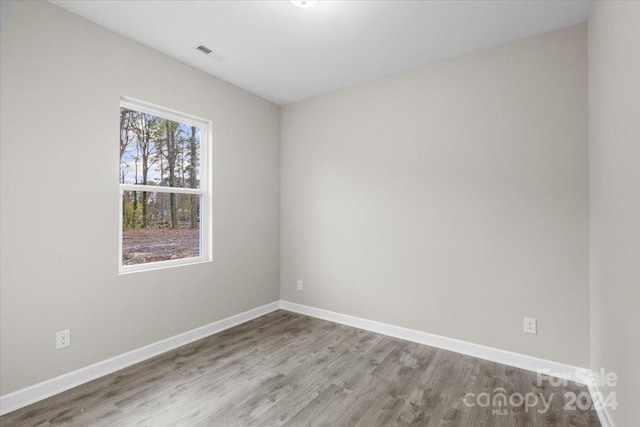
x=211, y=53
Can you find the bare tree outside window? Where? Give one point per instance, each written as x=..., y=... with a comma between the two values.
x=162, y=187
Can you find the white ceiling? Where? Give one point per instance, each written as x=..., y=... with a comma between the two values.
x=286, y=53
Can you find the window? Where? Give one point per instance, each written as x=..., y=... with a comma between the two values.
x=165, y=214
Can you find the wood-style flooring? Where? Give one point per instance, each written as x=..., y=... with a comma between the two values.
x=293, y=370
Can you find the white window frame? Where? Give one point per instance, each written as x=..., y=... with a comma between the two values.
x=204, y=191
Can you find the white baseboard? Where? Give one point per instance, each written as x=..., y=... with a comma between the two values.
x=26, y=396
x=517, y=360
x=504, y=357
x=603, y=412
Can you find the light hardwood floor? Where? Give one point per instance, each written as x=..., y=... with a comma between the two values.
x=289, y=369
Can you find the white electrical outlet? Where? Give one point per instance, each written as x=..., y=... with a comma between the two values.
x=299, y=285
x=63, y=339
x=530, y=325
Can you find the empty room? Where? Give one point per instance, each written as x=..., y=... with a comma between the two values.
x=319, y=213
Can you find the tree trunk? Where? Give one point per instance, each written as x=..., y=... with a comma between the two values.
x=193, y=168
x=144, y=141
x=171, y=160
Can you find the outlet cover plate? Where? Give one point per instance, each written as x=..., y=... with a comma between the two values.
x=63, y=339
x=530, y=325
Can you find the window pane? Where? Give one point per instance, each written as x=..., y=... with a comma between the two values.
x=158, y=151
x=159, y=226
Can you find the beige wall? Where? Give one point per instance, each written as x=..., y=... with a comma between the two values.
x=61, y=80
x=452, y=199
x=614, y=184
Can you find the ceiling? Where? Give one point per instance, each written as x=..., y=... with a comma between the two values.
x=285, y=53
